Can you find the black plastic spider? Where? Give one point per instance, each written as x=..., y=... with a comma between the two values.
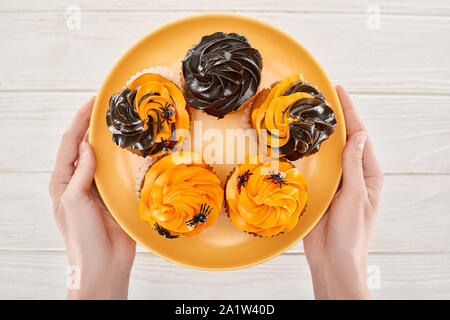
x=205, y=210
x=168, y=144
x=164, y=232
x=166, y=112
x=277, y=178
x=243, y=178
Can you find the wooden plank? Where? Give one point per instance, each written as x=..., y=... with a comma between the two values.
x=417, y=7
x=413, y=215
x=395, y=58
x=42, y=275
x=411, y=133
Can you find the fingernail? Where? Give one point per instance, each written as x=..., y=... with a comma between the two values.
x=83, y=147
x=361, y=140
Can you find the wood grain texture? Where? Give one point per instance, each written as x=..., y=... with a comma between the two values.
x=424, y=276
x=413, y=216
x=399, y=75
x=394, y=58
x=414, y=7
x=408, y=136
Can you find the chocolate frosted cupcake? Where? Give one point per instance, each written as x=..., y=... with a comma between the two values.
x=149, y=116
x=180, y=195
x=221, y=73
x=265, y=198
x=294, y=117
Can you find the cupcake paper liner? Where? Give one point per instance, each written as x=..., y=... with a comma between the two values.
x=141, y=175
x=162, y=71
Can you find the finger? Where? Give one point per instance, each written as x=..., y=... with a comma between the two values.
x=96, y=196
x=85, y=138
x=352, y=163
x=68, y=150
x=352, y=120
x=317, y=232
x=373, y=175
x=84, y=173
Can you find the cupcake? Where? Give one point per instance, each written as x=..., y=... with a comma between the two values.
x=295, y=118
x=149, y=116
x=265, y=198
x=221, y=73
x=180, y=195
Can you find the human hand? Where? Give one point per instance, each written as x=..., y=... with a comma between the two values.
x=337, y=248
x=94, y=242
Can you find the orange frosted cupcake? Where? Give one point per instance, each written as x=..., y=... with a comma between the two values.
x=149, y=116
x=265, y=198
x=180, y=195
x=294, y=117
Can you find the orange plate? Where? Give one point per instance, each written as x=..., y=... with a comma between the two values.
x=222, y=246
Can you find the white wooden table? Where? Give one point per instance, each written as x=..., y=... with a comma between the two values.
x=397, y=69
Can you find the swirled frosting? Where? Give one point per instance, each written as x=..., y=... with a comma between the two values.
x=265, y=198
x=220, y=73
x=180, y=195
x=295, y=117
x=148, y=117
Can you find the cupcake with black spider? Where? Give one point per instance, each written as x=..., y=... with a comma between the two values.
x=265, y=197
x=180, y=195
x=292, y=117
x=148, y=117
x=221, y=73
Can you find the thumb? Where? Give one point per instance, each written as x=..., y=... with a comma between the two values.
x=84, y=173
x=352, y=163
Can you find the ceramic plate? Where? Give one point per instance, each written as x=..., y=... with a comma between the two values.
x=222, y=246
